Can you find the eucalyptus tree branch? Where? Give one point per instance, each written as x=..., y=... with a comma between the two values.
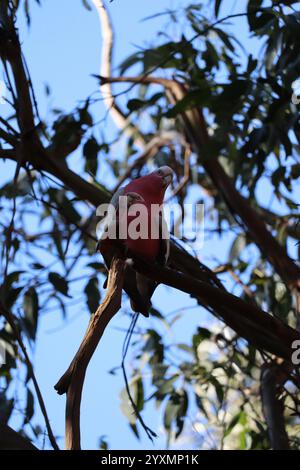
x=72, y=380
x=7, y=137
x=10, y=51
x=8, y=126
x=247, y=319
x=115, y=111
x=8, y=154
x=292, y=229
x=31, y=148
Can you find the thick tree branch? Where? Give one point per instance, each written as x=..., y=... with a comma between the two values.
x=72, y=380
x=84, y=190
x=11, y=51
x=273, y=408
x=8, y=154
x=249, y=321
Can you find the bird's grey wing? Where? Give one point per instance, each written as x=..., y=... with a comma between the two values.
x=115, y=202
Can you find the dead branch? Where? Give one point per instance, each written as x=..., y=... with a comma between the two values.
x=72, y=380
x=116, y=113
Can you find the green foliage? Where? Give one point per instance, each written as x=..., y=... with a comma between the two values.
x=92, y=294
x=90, y=152
x=59, y=283
x=31, y=310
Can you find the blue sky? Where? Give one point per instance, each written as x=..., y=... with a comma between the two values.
x=63, y=49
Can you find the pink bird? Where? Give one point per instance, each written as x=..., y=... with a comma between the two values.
x=147, y=242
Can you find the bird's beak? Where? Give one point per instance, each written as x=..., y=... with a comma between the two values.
x=167, y=175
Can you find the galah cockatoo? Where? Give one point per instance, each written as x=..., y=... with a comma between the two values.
x=153, y=244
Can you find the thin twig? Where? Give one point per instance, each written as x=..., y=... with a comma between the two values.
x=126, y=344
x=10, y=319
x=150, y=150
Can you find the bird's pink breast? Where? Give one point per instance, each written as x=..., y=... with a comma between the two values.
x=152, y=191
x=145, y=247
